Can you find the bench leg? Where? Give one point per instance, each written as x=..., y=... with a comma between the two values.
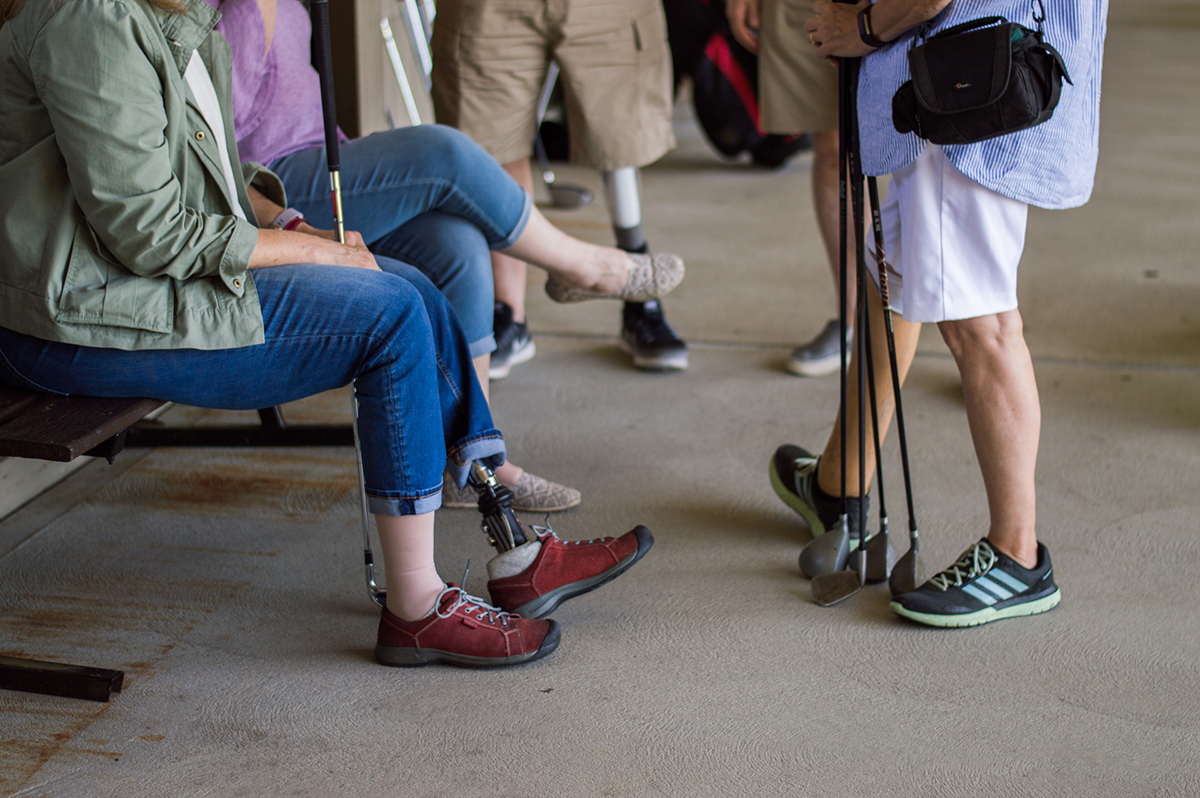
x=53, y=678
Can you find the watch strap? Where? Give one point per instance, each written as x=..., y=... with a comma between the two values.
x=288, y=219
x=864, y=29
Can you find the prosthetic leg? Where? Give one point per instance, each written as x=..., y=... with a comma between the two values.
x=645, y=333
x=499, y=522
x=517, y=548
x=534, y=571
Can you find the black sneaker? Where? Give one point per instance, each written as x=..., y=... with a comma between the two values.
x=984, y=585
x=646, y=335
x=794, y=477
x=513, y=344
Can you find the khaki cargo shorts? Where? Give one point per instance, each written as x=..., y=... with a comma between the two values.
x=797, y=91
x=490, y=59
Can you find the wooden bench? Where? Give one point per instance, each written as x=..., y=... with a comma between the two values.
x=49, y=427
x=45, y=426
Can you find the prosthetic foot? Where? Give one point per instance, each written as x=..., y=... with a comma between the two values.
x=535, y=571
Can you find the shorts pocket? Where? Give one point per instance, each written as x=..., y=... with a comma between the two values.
x=97, y=290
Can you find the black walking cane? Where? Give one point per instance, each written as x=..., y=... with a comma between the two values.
x=323, y=62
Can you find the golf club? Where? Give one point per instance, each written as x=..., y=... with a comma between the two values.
x=909, y=571
x=831, y=588
x=827, y=553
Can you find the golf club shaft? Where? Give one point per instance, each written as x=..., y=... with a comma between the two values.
x=885, y=298
x=843, y=257
x=860, y=263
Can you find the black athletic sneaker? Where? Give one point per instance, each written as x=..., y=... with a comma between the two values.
x=794, y=477
x=984, y=585
x=513, y=344
x=646, y=335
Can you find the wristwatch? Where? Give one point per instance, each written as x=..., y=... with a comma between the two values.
x=289, y=219
x=864, y=29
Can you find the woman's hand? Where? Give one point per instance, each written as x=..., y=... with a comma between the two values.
x=353, y=253
x=354, y=241
x=834, y=30
x=280, y=247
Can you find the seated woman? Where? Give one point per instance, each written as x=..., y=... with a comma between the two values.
x=428, y=196
x=132, y=263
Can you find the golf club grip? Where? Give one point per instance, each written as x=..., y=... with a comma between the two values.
x=323, y=61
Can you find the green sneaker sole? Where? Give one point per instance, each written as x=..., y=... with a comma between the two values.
x=983, y=616
x=795, y=502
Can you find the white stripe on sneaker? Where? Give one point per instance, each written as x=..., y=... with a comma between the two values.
x=1016, y=584
x=993, y=588
x=987, y=599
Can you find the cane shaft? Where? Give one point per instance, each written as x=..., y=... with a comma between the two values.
x=323, y=62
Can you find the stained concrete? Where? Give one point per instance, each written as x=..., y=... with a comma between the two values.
x=228, y=584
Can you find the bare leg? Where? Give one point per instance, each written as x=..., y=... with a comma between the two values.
x=829, y=477
x=1005, y=417
x=508, y=272
x=412, y=579
x=573, y=263
x=826, y=190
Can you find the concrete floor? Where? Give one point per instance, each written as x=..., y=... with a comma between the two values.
x=227, y=584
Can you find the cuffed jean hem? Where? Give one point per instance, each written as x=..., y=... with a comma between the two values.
x=487, y=445
x=408, y=505
x=484, y=346
x=518, y=229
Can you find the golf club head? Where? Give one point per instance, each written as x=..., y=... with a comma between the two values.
x=569, y=197
x=908, y=573
x=881, y=557
x=826, y=553
x=829, y=589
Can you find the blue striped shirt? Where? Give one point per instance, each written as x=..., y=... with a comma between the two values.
x=1052, y=165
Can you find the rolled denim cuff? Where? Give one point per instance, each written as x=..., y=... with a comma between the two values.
x=408, y=505
x=484, y=346
x=486, y=445
x=519, y=228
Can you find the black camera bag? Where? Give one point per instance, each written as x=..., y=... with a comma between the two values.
x=978, y=80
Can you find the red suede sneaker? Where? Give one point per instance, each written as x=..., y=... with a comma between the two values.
x=564, y=569
x=464, y=630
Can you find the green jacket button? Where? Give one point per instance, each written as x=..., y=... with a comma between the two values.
x=199, y=135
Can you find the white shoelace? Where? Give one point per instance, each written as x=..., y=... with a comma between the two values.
x=470, y=604
x=975, y=561
x=544, y=532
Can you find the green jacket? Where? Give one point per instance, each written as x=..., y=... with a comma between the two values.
x=116, y=226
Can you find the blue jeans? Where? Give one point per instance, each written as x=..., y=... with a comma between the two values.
x=428, y=196
x=393, y=334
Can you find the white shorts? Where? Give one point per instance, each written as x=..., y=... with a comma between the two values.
x=954, y=245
